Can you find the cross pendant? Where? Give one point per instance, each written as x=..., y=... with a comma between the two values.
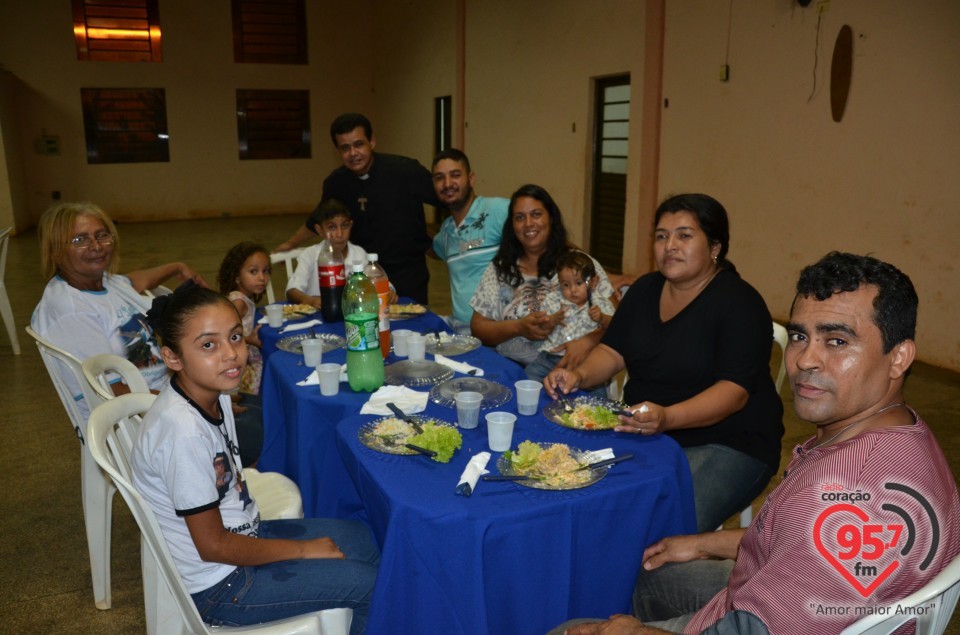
x=363, y=203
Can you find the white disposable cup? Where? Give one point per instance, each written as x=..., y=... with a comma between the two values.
x=274, y=315
x=329, y=375
x=416, y=347
x=528, y=396
x=312, y=352
x=500, y=430
x=468, y=409
x=400, y=341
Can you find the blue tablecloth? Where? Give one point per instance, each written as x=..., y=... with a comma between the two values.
x=509, y=559
x=298, y=422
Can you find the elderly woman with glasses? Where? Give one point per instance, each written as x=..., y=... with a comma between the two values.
x=87, y=308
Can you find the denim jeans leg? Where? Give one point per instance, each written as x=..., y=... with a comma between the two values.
x=250, y=429
x=542, y=365
x=724, y=482
x=293, y=587
x=672, y=593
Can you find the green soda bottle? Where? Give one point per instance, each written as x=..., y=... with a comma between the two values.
x=361, y=308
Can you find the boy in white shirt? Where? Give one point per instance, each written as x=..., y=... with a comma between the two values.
x=330, y=219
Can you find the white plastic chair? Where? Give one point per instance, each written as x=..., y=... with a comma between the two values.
x=6, y=311
x=110, y=448
x=276, y=495
x=938, y=597
x=97, y=370
x=96, y=488
x=289, y=259
x=157, y=290
x=780, y=338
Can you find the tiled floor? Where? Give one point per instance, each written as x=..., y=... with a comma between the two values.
x=44, y=570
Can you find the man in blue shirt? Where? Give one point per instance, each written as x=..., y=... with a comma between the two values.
x=469, y=238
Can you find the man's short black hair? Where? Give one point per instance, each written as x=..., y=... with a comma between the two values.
x=894, y=308
x=347, y=122
x=454, y=155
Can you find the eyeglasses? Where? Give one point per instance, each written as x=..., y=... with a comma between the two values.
x=84, y=242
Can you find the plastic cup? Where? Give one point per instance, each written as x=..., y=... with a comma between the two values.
x=500, y=430
x=468, y=409
x=416, y=347
x=312, y=352
x=274, y=315
x=329, y=374
x=528, y=396
x=400, y=341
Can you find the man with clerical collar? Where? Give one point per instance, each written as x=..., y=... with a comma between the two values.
x=386, y=194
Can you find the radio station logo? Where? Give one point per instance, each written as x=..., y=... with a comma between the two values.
x=865, y=550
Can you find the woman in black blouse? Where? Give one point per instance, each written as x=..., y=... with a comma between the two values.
x=695, y=339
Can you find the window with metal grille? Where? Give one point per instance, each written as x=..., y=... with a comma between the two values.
x=269, y=31
x=125, y=125
x=610, y=137
x=117, y=30
x=273, y=124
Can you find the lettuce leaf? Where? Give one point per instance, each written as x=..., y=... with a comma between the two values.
x=443, y=440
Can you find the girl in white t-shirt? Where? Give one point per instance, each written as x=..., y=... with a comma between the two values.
x=186, y=464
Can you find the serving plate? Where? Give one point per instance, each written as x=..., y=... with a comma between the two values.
x=555, y=412
x=399, y=314
x=505, y=467
x=416, y=373
x=451, y=344
x=494, y=394
x=368, y=436
x=294, y=343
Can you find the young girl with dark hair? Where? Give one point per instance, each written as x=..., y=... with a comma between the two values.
x=186, y=464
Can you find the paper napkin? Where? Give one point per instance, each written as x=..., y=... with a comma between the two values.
x=408, y=400
x=300, y=325
x=314, y=380
x=597, y=455
x=460, y=367
x=474, y=470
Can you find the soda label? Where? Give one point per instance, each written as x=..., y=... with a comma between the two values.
x=363, y=333
x=332, y=275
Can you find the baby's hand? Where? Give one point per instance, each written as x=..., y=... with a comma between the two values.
x=595, y=314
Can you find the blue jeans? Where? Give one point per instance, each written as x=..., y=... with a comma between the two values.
x=545, y=362
x=249, y=429
x=251, y=595
x=724, y=482
x=667, y=598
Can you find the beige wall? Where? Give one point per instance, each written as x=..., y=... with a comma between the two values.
x=204, y=176
x=414, y=44
x=796, y=183
x=529, y=72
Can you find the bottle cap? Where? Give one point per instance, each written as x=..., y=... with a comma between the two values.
x=372, y=257
x=356, y=268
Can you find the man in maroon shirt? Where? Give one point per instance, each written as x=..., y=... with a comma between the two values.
x=867, y=511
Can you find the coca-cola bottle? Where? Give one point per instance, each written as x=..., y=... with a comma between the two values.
x=378, y=277
x=332, y=278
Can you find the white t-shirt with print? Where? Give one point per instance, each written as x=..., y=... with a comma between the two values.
x=87, y=323
x=184, y=463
